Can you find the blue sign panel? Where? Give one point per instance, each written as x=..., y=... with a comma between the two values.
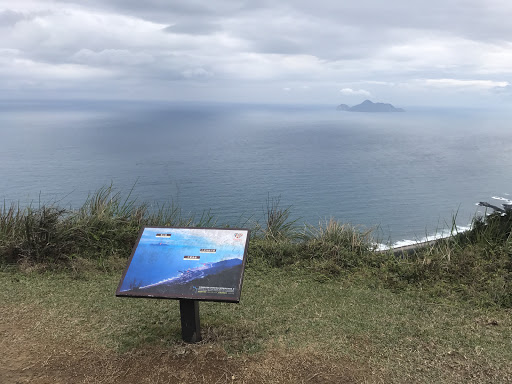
x=187, y=263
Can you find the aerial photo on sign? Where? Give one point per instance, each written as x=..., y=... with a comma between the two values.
x=186, y=263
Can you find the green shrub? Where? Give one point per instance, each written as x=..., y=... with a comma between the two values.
x=476, y=265
x=106, y=225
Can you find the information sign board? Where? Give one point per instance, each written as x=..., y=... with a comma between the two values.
x=187, y=263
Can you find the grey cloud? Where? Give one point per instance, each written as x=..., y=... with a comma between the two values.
x=112, y=57
x=330, y=29
x=281, y=45
x=330, y=44
x=9, y=18
x=164, y=11
x=473, y=19
x=198, y=73
x=193, y=27
x=506, y=90
x=470, y=18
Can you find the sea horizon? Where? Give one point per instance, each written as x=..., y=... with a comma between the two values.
x=405, y=174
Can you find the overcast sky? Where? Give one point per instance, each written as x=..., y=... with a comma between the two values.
x=407, y=52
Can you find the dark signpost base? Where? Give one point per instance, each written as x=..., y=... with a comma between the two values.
x=190, y=325
x=188, y=264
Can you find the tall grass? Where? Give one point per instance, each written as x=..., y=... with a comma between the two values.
x=105, y=225
x=277, y=225
x=476, y=264
x=330, y=247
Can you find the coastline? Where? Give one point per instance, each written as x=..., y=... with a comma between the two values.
x=409, y=249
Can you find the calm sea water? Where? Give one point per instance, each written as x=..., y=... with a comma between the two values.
x=406, y=173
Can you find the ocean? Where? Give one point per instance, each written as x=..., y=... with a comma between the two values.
x=406, y=175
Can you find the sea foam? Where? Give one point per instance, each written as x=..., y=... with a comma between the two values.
x=443, y=234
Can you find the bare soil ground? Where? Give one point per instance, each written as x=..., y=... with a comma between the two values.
x=28, y=355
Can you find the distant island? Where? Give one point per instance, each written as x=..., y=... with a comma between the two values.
x=368, y=106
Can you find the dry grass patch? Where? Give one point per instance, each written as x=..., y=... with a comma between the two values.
x=289, y=328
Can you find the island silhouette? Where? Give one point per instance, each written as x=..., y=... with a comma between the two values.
x=369, y=106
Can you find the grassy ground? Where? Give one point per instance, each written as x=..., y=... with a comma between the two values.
x=289, y=327
x=319, y=305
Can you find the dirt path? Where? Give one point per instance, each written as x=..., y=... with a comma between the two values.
x=29, y=355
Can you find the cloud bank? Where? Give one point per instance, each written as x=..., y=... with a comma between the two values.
x=321, y=52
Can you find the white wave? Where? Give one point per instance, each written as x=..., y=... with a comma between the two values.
x=507, y=201
x=200, y=268
x=444, y=234
x=160, y=282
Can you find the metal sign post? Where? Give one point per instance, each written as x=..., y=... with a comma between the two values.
x=187, y=264
x=190, y=323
